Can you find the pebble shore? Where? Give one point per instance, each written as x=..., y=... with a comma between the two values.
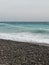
x=23, y=53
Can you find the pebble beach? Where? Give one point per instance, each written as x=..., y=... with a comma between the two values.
x=23, y=53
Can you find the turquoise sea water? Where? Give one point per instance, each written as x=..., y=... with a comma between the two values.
x=25, y=31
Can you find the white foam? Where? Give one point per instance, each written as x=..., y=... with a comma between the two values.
x=25, y=37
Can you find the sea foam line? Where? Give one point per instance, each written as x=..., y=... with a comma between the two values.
x=25, y=37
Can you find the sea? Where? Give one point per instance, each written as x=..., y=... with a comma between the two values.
x=25, y=31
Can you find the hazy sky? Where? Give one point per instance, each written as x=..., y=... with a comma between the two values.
x=25, y=10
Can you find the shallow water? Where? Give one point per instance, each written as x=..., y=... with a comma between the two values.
x=25, y=31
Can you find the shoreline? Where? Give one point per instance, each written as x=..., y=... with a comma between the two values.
x=36, y=43
x=23, y=53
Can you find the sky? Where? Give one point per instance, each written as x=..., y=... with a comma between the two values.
x=24, y=10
